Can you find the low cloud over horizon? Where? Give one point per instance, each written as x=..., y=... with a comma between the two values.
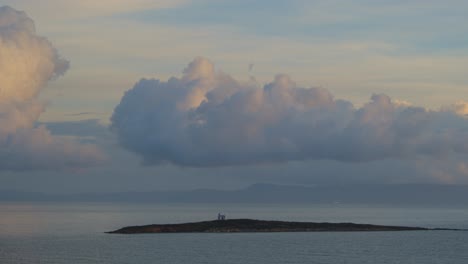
x=28, y=62
x=206, y=118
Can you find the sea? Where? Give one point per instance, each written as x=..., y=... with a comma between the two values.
x=59, y=233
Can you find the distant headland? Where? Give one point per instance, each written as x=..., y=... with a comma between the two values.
x=250, y=225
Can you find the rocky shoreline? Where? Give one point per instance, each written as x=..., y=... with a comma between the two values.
x=250, y=225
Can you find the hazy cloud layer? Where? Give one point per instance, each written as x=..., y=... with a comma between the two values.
x=27, y=63
x=207, y=118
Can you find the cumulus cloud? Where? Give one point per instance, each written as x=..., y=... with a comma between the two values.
x=27, y=63
x=459, y=107
x=207, y=118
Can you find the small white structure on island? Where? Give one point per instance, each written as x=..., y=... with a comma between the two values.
x=221, y=216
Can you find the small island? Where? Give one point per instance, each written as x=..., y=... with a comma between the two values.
x=251, y=225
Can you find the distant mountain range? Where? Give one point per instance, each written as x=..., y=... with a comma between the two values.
x=411, y=194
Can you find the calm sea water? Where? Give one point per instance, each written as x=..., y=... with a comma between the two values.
x=73, y=233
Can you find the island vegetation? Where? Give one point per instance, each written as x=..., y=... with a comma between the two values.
x=250, y=225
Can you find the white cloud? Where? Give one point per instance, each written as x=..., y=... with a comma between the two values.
x=207, y=118
x=401, y=103
x=27, y=63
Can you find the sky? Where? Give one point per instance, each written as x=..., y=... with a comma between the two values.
x=137, y=95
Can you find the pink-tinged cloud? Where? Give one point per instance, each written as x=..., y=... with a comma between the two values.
x=207, y=118
x=27, y=63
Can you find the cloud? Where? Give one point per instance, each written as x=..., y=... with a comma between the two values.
x=459, y=107
x=207, y=118
x=28, y=62
x=83, y=114
x=81, y=128
x=90, y=8
x=463, y=168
